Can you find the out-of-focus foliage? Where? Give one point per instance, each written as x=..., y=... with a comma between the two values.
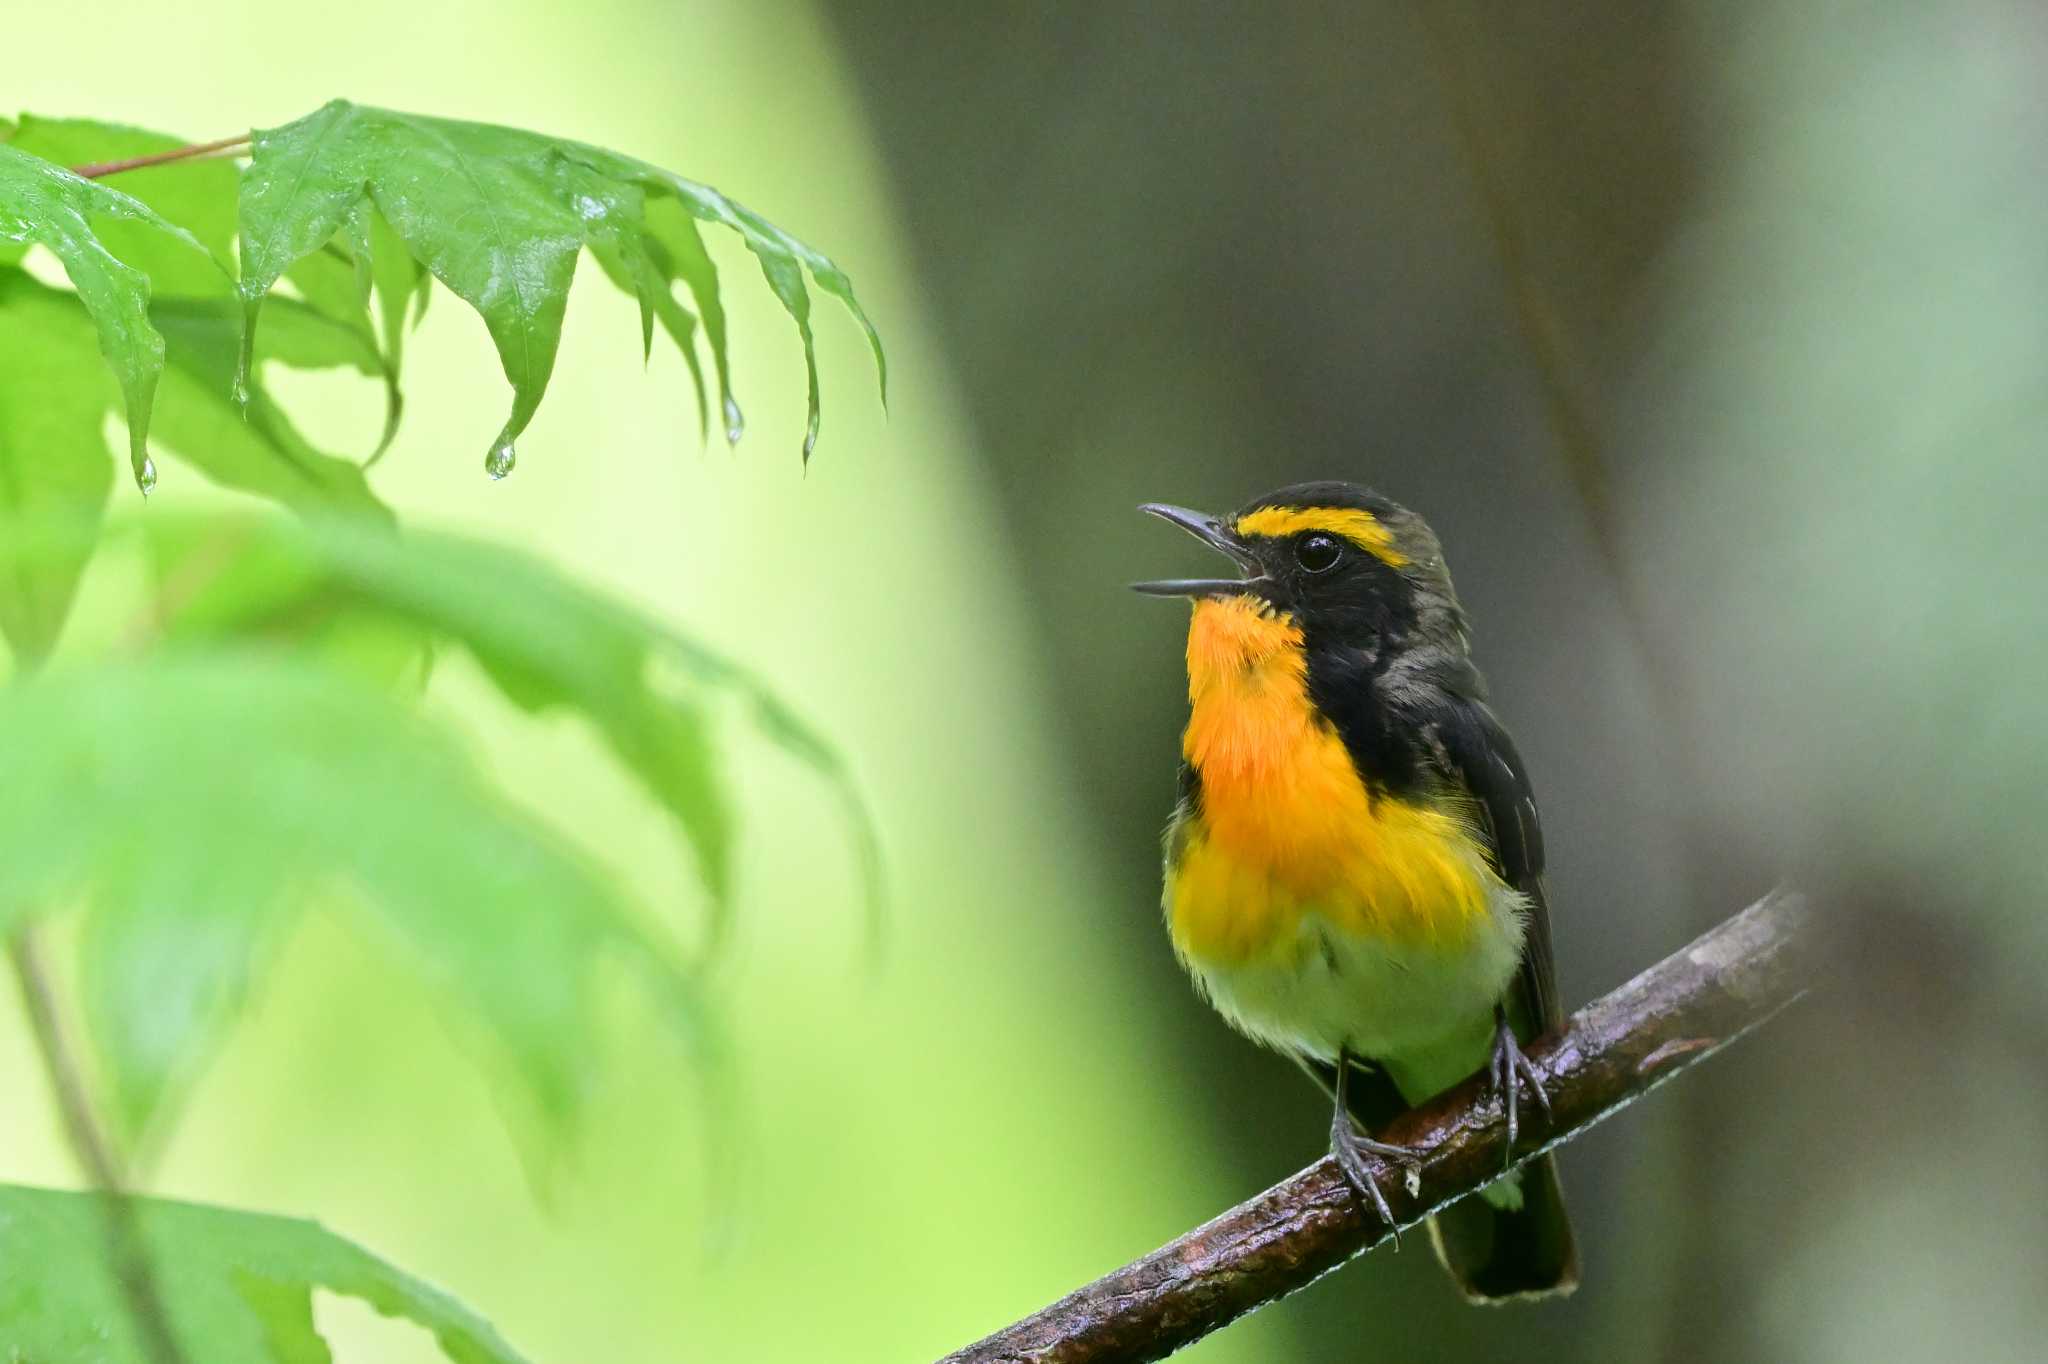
x=253, y=764
x=196, y=863
x=350, y=789
x=237, y=1286
x=548, y=643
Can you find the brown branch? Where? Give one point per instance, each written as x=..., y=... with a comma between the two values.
x=198, y=151
x=126, y=1250
x=1613, y=1051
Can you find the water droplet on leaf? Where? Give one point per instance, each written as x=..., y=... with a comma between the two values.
x=499, y=462
x=145, y=476
x=238, y=392
x=735, y=424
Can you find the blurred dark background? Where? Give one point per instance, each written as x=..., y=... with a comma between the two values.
x=1636, y=304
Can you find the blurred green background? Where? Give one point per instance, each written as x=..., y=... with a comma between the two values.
x=1789, y=258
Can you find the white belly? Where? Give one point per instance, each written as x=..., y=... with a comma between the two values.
x=1372, y=997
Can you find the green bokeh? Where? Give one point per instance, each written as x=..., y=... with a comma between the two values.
x=930, y=1150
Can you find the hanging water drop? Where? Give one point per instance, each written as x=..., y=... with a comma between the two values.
x=735, y=424
x=245, y=355
x=145, y=475
x=499, y=462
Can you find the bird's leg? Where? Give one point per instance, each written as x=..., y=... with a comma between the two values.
x=1350, y=1147
x=1508, y=1069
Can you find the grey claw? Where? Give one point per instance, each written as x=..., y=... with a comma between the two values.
x=1347, y=1148
x=1508, y=1068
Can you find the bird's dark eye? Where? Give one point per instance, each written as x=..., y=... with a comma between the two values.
x=1318, y=553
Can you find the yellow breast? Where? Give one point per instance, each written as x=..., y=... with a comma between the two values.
x=1287, y=828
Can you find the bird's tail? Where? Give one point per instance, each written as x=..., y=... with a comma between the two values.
x=1499, y=1254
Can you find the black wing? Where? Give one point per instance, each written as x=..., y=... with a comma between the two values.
x=1479, y=756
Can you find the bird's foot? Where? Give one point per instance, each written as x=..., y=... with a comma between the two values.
x=1351, y=1147
x=1508, y=1069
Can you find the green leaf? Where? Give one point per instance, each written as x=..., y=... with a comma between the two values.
x=54, y=461
x=366, y=259
x=253, y=448
x=301, y=335
x=636, y=264
x=548, y=643
x=170, y=948
x=230, y=784
x=237, y=1287
x=678, y=251
x=44, y=204
x=184, y=905
x=499, y=216
x=198, y=196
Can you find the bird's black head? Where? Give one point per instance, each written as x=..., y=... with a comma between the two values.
x=1350, y=567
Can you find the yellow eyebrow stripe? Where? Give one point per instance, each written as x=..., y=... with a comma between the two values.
x=1360, y=528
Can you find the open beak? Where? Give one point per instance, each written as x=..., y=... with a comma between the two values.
x=1213, y=532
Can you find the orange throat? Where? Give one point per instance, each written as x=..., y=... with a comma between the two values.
x=1277, y=783
x=1287, y=828
x=1247, y=690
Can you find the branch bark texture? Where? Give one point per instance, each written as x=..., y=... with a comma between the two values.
x=1613, y=1051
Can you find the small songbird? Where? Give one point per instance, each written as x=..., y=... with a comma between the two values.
x=1354, y=869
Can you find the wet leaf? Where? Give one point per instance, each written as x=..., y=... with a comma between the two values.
x=198, y=196
x=499, y=215
x=42, y=204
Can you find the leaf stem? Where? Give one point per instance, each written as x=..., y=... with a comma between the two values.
x=89, y=1144
x=226, y=146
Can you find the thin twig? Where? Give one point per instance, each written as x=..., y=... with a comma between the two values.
x=126, y=1249
x=197, y=151
x=1669, y=1018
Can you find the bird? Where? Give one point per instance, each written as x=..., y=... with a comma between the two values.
x=1354, y=868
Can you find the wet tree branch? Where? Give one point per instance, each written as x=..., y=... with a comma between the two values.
x=1672, y=1016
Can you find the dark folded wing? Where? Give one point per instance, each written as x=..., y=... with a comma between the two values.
x=1478, y=755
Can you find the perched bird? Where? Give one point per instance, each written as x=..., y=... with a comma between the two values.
x=1354, y=869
